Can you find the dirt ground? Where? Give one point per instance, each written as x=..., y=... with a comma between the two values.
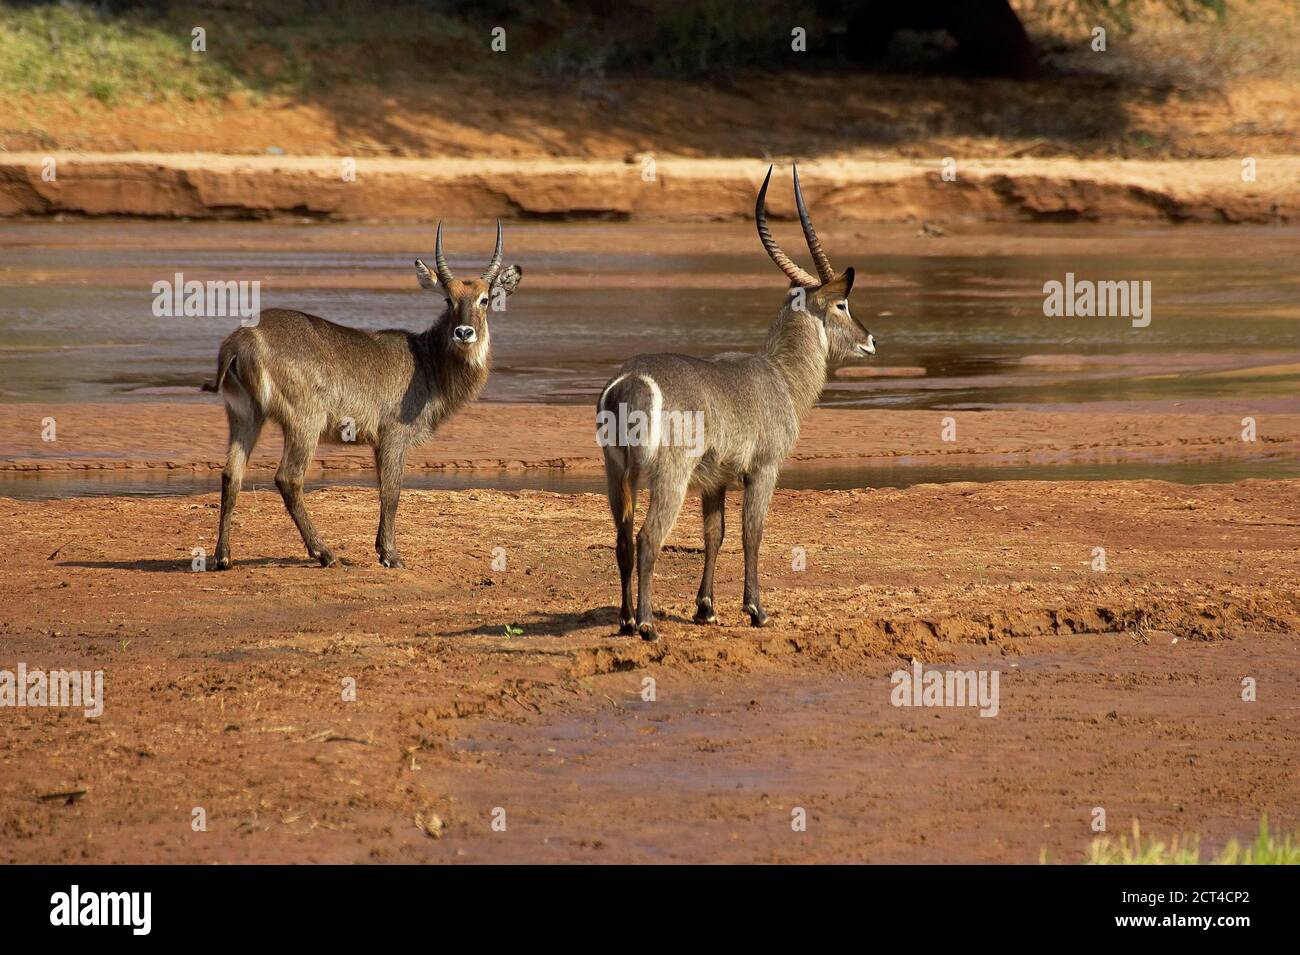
x=224, y=692
x=831, y=115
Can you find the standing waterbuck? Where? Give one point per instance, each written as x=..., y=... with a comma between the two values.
x=672, y=421
x=325, y=382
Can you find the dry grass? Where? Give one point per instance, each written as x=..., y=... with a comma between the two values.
x=1267, y=849
x=1257, y=39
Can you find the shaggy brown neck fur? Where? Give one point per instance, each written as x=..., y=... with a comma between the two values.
x=796, y=350
x=458, y=381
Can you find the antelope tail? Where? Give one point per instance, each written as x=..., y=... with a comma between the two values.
x=625, y=496
x=223, y=369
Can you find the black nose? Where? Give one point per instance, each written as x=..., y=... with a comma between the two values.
x=464, y=333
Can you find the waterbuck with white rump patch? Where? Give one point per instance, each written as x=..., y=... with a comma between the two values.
x=325, y=382
x=747, y=409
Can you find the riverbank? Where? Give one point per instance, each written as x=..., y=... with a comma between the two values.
x=212, y=186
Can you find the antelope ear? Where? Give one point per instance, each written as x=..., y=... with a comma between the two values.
x=838, y=287
x=427, y=281
x=509, y=279
x=848, y=281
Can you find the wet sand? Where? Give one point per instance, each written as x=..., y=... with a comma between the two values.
x=223, y=691
x=517, y=437
x=714, y=769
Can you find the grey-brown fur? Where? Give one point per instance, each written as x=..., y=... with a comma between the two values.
x=318, y=381
x=752, y=406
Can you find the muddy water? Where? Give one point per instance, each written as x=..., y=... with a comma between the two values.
x=960, y=319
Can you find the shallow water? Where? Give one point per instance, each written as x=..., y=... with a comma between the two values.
x=959, y=321
x=560, y=481
x=964, y=313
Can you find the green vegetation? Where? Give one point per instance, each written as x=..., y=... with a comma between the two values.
x=77, y=50
x=144, y=55
x=311, y=48
x=128, y=51
x=1267, y=849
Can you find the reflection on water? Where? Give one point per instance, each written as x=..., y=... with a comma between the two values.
x=559, y=481
x=959, y=321
x=965, y=313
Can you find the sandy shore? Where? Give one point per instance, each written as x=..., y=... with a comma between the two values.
x=192, y=436
x=171, y=185
x=223, y=691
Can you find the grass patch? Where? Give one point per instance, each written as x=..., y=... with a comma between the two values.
x=77, y=50
x=139, y=55
x=1267, y=849
x=1209, y=46
x=302, y=48
x=134, y=51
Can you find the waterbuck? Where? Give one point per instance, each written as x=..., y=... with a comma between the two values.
x=672, y=421
x=325, y=382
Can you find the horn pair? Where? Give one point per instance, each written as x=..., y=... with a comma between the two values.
x=783, y=262
x=445, y=274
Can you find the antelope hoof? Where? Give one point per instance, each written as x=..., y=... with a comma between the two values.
x=626, y=628
x=704, y=613
x=757, y=616
x=222, y=562
x=326, y=558
x=647, y=631
x=391, y=560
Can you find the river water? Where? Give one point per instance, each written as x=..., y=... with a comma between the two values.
x=959, y=320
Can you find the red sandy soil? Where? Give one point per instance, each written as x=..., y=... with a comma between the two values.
x=165, y=185
x=779, y=114
x=223, y=691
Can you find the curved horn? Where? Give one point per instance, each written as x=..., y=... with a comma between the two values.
x=445, y=275
x=792, y=271
x=814, y=246
x=495, y=265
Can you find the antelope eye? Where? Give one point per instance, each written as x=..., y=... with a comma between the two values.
x=842, y=306
x=483, y=300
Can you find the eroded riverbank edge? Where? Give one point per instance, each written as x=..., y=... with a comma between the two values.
x=212, y=186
